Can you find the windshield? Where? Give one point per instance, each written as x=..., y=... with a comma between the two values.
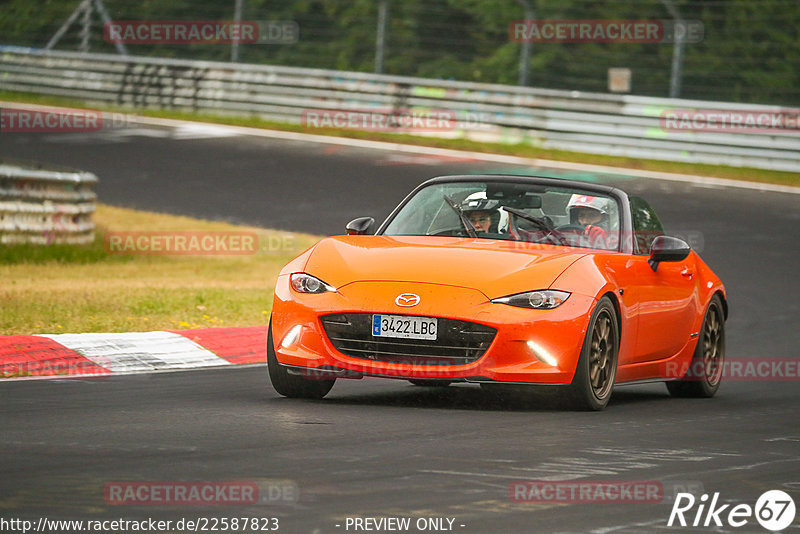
x=511, y=211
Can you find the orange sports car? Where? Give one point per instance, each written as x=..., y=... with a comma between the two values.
x=502, y=281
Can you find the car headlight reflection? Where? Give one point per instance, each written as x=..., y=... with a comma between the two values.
x=545, y=299
x=305, y=283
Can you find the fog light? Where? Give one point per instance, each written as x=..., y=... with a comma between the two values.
x=541, y=354
x=292, y=336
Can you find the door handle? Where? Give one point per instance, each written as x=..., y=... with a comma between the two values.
x=687, y=273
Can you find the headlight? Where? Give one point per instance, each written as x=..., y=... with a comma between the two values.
x=545, y=299
x=305, y=283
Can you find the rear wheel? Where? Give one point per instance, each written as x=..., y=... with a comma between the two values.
x=705, y=372
x=597, y=366
x=290, y=385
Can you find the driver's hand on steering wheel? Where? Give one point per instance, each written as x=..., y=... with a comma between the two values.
x=597, y=236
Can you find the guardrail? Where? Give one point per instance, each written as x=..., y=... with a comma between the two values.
x=611, y=124
x=43, y=207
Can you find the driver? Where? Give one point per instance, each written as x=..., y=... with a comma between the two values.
x=480, y=211
x=591, y=213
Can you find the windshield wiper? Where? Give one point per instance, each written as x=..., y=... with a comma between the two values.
x=464, y=220
x=541, y=223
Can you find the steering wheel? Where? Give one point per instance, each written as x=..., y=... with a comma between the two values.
x=544, y=224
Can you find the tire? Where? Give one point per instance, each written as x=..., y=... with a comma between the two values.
x=704, y=376
x=431, y=383
x=597, y=365
x=292, y=385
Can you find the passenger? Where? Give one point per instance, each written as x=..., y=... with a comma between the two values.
x=592, y=214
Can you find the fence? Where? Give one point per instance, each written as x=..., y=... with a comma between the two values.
x=43, y=207
x=596, y=123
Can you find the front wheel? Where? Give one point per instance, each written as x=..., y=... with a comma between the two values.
x=705, y=372
x=597, y=366
x=292, y=385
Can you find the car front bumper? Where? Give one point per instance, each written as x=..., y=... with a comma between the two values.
x=525, y=339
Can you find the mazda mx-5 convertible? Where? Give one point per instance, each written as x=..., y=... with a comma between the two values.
x=502, y=281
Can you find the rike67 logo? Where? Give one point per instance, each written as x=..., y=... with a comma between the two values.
x=774, y=510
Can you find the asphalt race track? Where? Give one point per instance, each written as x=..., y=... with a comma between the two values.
x=376, y=448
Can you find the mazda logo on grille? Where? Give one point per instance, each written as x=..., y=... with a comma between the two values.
x=407, y=300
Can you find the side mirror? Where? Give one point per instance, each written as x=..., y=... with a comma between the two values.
x=666, y=248
x=360, y=226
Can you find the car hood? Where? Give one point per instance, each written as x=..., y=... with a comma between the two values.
x=494, y=267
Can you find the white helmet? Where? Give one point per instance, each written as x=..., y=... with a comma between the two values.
x=602, y=204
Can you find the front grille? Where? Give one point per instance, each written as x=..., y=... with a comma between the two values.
x=457, y=342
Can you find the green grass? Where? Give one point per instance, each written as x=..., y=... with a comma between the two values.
x=84, y=288
x=519, y=149
x=59, y=253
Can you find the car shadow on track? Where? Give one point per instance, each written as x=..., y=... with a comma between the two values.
x=471, y=397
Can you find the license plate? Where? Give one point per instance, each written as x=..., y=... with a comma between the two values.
x=404, y=326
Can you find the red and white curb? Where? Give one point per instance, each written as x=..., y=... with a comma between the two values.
x=68, y=355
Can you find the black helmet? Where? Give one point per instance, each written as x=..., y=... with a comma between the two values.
x=479, y=202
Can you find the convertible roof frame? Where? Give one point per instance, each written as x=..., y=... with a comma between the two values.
x=626, y=223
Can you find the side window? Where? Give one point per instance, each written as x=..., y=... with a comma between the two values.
x=646, y=225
